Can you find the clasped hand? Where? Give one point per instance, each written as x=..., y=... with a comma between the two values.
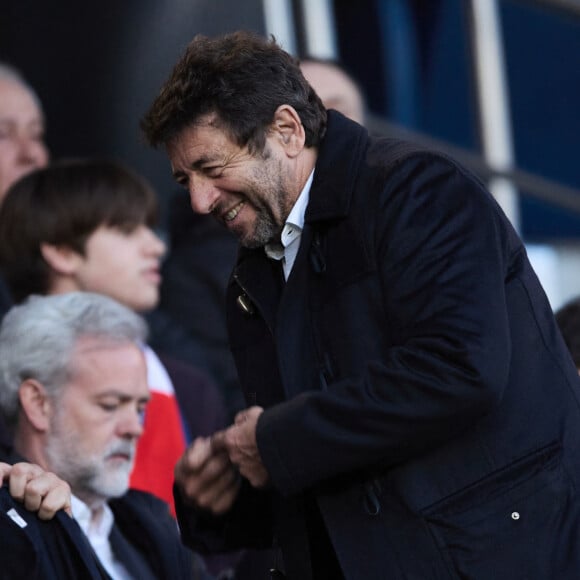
x=209, y=471
x=39, y=490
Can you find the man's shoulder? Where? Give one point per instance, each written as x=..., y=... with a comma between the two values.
x=20, y=539
x=147, y=524
x=143, y=517
x=137, y=499
x=13, y=515
x=36, y=548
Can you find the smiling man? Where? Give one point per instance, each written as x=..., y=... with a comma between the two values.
x=413, y=412
x=73, y=386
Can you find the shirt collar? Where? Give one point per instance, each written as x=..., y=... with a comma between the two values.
x=296, y=216
x=294, y=222
x=91, y=526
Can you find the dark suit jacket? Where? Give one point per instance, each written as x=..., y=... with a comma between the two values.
x=418, y=393
x=145, y=521
x=59, y=549
x=43, y=549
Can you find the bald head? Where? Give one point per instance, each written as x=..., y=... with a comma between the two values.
x=22, y=147
x=336, y=89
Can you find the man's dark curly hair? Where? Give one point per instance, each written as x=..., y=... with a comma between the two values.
x=240, y=77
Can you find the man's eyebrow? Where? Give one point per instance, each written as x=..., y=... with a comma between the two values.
x=121, y=395
x=198, y=164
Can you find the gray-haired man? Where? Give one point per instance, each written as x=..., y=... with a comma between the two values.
x=73, y=387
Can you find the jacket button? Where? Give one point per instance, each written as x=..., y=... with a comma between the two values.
x=515, y=515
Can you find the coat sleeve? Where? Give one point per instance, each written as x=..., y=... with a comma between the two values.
x=247, y=525
x=442, y=259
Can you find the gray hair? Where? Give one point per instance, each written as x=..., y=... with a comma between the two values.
x=10, y=73
x=37, y=339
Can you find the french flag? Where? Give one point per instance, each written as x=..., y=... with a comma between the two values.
x=163, y=440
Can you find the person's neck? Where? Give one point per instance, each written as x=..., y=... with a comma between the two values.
x=97, y=511
x=93, y=502
x=306, y=163
x=95, y=507
x=30, y=446
x=62, y=285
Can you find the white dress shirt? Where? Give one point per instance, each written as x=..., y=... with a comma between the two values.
x=97, y=525
x=287, y=249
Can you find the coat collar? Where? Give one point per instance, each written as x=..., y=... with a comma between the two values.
x=339, y=156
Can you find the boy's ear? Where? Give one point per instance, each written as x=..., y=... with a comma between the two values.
x=35, y=404
x=62, y=259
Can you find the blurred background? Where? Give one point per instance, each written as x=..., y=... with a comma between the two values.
x=496, y=83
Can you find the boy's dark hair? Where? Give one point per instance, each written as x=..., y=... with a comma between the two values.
x=62, y=205
x=242, y=78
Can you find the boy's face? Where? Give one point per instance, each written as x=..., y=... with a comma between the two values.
x=122, y=265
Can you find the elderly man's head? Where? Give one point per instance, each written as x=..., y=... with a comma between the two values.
x=73, y=386
x=22, y=146
x=337, y=88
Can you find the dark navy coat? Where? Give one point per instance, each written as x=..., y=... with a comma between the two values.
x=58, y=548
x=417, y=391
x=38, y=550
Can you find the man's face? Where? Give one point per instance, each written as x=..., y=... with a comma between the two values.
x=97, y=419
x=247, y=192
x=122, y=265
x=22, y=147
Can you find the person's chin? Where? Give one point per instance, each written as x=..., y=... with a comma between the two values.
x=115, y=481
x=146, y=303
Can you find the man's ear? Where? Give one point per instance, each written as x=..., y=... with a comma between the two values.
x=35, y=404
x=287, y=126
x=61, y=259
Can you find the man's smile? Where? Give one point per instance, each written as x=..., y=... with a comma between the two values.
x=233, y=212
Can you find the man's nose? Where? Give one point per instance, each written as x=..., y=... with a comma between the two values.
x=203, y=195
x=131, y=424
x=31, y=151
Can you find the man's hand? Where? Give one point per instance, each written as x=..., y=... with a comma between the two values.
x=207, y=477
x=239, y=441
x=41, y=491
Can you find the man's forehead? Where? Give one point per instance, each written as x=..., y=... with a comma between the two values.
x=198, y=143
x=200, y=127
x=96, y=343
x=101, y=353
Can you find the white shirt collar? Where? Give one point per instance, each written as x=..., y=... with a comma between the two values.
x=294, y=223
x=296, y=216
x=98, y=527
x=97, y=531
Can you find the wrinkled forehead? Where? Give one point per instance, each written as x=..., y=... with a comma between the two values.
x=206, y=137
x=209, y=123
x=102, y=362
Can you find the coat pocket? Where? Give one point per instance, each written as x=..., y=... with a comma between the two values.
x=521, y=522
